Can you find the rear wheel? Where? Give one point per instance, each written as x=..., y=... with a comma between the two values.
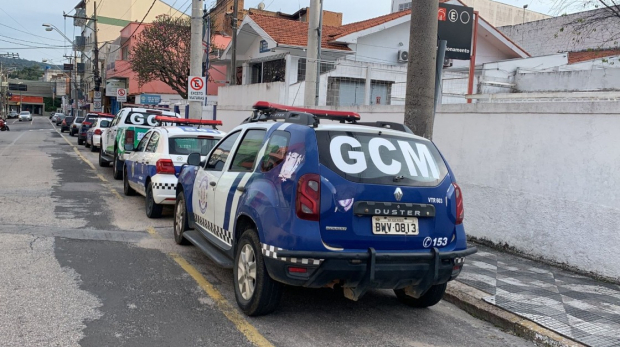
x=93, y=148
x=256, y=292
x=127, y=190
x=117, y=167
x=86, y=144
x=80, y=141
x=180, y=220
x=430, y=298
x=153, y=210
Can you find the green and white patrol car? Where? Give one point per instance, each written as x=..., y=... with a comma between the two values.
x=128, y=128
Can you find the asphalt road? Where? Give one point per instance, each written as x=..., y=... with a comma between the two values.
x=81, y=264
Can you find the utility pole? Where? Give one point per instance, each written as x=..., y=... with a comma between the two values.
x=96, y=51
x=233, y=59
x=420, y=98
x=196, y=52
x=312, y=56
x=318, y=55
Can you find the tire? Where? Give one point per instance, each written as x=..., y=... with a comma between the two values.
x=102, y=162
x=93, y=148
x=80, y=142
x=266, y=293
x=430, y=298
x=180, y=220
x=86, y=144
x=153, y=210
x=127, y=190
x=117, y=172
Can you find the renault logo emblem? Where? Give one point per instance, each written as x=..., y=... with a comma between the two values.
x=398, y=194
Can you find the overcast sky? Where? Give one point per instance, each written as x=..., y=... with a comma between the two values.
x=20, y=20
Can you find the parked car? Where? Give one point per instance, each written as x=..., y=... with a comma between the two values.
x=65, y=124
x=128, y=126
x=52, y=114
x=25, y=116
x=75, y=126
x=87, y=123
x=284, y=199
x=153, y=166
x=93, y=135
x=59, y=118
x=55, y=116
x=12, y=114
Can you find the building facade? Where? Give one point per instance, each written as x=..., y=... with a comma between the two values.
x=496, y=13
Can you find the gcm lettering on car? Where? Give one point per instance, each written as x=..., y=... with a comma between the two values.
x=152, y=168
x=315, y=205
x=127, y=129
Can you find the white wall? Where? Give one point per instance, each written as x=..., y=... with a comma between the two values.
x=497, y=73
x=249, y=94
x=569, y=81
x=541, y=177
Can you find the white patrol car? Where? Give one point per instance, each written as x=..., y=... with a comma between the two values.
x=154, y=165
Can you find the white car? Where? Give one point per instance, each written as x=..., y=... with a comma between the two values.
x=93, y=135
x=25, y=116
x=153, y=167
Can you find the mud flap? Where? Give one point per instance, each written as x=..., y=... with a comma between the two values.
x=428, y=281
x=369, y=278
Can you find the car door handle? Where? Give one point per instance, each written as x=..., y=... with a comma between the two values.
x=212, y=184
x=147, y=163
x=241, y=188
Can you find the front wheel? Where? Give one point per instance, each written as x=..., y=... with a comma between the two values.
x=117, y=168
x=102, y=162
x=256, y=292
x=127, y=190
x=153, y=210
x=180, y=220
x=430, y=298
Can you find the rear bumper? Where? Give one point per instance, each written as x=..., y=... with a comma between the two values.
x=365, y=270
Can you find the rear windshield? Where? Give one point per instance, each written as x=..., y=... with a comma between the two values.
x=377, y=158
x=79, y=120
x=68, y=119
x=188, y=145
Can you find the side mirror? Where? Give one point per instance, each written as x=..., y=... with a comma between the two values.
x=129, y=147
x=193, y=159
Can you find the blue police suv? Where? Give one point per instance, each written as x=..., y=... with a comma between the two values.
x=286, y=199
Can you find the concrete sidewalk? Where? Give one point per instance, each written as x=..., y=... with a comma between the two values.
x=581, y=308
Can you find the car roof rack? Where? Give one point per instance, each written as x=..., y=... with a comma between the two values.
x=387, y=125
x=185, y=121
x=264, y=111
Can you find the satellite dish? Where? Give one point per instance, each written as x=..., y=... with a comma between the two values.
x=261, y=6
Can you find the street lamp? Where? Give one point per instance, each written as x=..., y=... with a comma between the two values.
x=51, y=27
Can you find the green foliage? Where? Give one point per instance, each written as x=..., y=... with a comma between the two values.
x=162, y=53
x=51, y=104
x=32, y=73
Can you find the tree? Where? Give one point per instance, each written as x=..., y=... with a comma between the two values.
x=32, y=73
x=162, y=52
x=591, y=23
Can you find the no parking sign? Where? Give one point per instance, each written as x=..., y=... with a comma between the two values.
x=196, y=90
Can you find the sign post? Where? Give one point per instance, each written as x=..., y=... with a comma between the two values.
x=196, y=90
x=121, y=95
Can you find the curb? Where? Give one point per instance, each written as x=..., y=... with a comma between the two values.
x=470, y=300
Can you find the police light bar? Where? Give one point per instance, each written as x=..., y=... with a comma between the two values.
x=328, y=114
x=101, y=114
x=188, y=121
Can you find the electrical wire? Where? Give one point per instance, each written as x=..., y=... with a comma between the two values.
x=25, y=32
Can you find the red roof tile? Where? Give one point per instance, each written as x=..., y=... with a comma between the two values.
x=369, y=23
x=576, y=57
x=294, y=33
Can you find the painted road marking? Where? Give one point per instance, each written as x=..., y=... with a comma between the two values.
x=223, y=305
x=153, y=233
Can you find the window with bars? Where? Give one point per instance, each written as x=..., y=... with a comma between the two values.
x=301, y=69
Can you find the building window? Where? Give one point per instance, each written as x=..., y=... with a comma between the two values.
x=347, y=91
x=404, y=6
x=125, y=53
x=301, y=69
x=269, y=71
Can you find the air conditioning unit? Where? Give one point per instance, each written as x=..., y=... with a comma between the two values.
x=447, y=62
x=403, y=56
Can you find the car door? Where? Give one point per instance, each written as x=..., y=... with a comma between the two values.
x=203, y=199
x=149, y=158
x=111, y=133
x=134, y=163
x=231, y=184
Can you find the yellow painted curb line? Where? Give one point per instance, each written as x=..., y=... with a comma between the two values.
x=231, y=313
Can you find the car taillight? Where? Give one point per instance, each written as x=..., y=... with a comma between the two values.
x=460, y=210
x=64, y=123
x=308, y=197
x=129, y=135
x=87, y=123
x=98, y=132
x=165, y=166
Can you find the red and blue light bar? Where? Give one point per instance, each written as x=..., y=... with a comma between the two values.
x=333, y=115
x=175, y=120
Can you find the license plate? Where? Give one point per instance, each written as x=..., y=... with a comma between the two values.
x=382, y=225
x=140, y=136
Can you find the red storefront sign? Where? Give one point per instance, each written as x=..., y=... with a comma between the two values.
x=26, y=99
